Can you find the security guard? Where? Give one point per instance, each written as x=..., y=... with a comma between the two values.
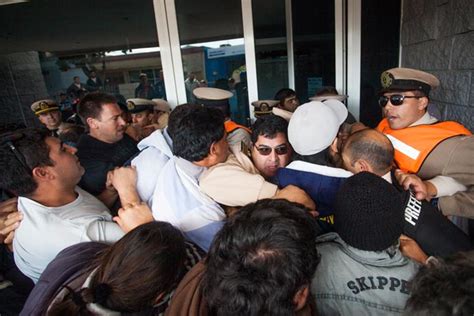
x=439, y=152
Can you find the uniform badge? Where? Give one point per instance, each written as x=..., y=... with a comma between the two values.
x=43, y=105
x=130, y=105
x=264, y=107
x=386, y=79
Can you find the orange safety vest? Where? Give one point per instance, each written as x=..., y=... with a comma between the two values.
x=413, y=144
x=231, y=126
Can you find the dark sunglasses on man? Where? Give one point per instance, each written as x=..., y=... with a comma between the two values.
x=265, y=150
x=395, y=99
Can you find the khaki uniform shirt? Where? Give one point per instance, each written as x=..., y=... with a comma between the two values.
x=450, y=168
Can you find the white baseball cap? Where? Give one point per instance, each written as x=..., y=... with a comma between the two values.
x=314, y=126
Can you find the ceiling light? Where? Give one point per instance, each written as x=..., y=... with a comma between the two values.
x=7, y=2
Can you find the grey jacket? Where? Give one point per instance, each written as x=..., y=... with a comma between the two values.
x=349, y=281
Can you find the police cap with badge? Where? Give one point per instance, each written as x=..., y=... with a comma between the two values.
x=44, y=106
x=407, y=79
x=138, y=105
x=264, y=107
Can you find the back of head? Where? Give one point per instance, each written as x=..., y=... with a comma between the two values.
x=177, y=114
x=20, y=152
x=147, y=262
x=368, y=212
x=260, y=259
x=91, y=105
x=196, y=131
x=71, y=134
x=269, y=126
x=444, y=288
x=373, y=147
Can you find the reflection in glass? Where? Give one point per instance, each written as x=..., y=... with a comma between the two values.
x=76, y=52
x=314, y=46
x=212, y=50
x=270, y=47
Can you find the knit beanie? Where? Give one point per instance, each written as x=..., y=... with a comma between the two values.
x=368, y=212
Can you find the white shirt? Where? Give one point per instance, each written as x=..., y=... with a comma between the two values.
x=45, y=231
x=180, y=201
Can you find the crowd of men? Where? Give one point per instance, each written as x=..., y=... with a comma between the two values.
x=305, y=212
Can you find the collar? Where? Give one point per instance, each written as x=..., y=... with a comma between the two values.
x=425, y=119
x=189, y=168
x=378, y=258
x=93, y=142
x=319, y=169
x=388, y=177
x=167, y=137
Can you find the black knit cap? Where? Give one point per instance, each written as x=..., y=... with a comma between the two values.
x=368, y=212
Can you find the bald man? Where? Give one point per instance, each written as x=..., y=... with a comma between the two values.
x=370, y=150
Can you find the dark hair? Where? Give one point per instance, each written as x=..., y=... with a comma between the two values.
x=20, y=152
x=284, y=93
x=260, y=259
x=379, y=154
x=177, y=114
x=197, y=130
x=269, y=126
x=322, y=158
x=146, y=262
x=444, y=288
x=326, y=90
x=91, y=105
x=71, y=134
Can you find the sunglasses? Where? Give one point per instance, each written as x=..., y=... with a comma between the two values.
x=395, y=99
x=265, y=150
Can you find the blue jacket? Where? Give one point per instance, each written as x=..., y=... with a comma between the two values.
x=321, y=183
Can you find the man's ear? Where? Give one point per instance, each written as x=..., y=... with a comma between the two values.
x=92, y=122
x=41, y=174
x=212, y=149
x=301, y=297
x=334, y=145
x=423, y=103
x=362, y=165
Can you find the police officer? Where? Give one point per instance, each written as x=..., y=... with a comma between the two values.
x=48, y=113
x=439, y=152
x=142, y=118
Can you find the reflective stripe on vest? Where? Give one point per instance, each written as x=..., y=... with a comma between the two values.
x=413, y=144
